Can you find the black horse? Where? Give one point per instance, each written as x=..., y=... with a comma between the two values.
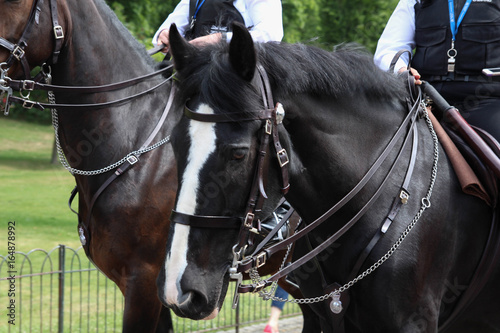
x=341, y=113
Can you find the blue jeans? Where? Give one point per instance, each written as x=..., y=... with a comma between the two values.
x=281, y=294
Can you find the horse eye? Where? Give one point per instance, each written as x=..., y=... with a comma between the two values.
x=239, y=153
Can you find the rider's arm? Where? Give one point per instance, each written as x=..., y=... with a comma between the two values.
x=263, y=18
x=180, y=16
x=399, y=34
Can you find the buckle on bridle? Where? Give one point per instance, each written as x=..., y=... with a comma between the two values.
x=269, y=127
x=259, y=286
x=260, y=260
x=282, y=157
x=404, y=196
x=248, y=223
x=132, y=159
x=18, y=52
x=58, y=32
x=27, y=104
x=28, y=85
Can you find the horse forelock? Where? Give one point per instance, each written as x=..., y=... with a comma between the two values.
x=212, y=79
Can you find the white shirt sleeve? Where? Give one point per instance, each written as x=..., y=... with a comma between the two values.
x=180, y=16
x=399, y=34
x=263, y=18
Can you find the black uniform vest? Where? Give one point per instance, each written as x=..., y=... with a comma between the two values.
x=477, y=40
x=213, y=16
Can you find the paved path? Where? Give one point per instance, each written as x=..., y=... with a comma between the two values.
x=287, y=325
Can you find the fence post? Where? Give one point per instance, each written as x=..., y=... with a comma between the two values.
x=237, y=319
x=62, y=268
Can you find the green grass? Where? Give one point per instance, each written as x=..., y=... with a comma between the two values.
x=33, y=192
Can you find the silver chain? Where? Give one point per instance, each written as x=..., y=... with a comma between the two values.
x=62, y=157
x=425, y=203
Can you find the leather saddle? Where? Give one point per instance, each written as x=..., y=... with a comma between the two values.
x=480, y=150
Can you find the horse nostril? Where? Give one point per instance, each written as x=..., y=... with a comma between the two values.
x=192, y=298
x=195, y=305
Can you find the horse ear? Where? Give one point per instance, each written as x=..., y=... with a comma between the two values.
x=180, y=49
x=242, y=52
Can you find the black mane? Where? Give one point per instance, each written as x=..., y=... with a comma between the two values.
x=292, y=69
x=349, y=70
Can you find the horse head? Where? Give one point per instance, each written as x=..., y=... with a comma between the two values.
x=216, y=163
x=31, y=33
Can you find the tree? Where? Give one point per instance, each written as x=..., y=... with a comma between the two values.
x=142, y=17
x=360, y=21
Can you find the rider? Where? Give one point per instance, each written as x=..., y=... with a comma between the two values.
x=450, y=53
x=208, y=21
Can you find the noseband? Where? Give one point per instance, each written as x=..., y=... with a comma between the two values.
x=273, y=118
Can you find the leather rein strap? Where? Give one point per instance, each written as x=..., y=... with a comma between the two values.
x=259, y=259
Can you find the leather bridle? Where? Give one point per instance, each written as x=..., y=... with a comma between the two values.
x=18, y=50
x=272, y=117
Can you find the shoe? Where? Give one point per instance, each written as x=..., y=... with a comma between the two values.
x=269, y=329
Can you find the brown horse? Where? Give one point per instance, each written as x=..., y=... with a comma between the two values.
x=124, y=223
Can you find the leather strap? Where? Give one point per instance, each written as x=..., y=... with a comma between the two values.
x=252, y=262
x=197, y=221
x=83, y=107
x=399, y=201
x=228, y=118
x=29, y=85
x=122, y=169
x=58, y=32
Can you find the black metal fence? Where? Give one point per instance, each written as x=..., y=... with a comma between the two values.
x=61, y=291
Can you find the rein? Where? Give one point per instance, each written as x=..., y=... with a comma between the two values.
x=17, y=52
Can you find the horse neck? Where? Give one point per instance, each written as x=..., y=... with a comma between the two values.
x=334, y=144
x=101, y=51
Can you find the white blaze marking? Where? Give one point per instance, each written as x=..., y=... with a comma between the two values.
x=202, y=136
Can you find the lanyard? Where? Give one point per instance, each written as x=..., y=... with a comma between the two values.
x=451, y=7
x=197, y=6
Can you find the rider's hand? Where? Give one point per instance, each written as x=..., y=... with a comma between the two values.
x=163, y=39
x=414, y=72
x=208, y=39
